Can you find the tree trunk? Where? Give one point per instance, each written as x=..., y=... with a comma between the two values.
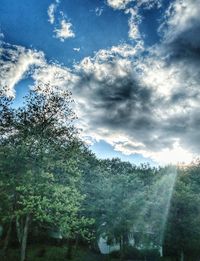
x=19, y=230
x=161, y=251
x=122, y=249
x=76, y=243
x=69, y=250
x=182, y=255
x=24, y=239
x=7, y=238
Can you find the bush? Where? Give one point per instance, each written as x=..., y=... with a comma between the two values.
x=151, y=254
x=115, y=254
x=132, y=253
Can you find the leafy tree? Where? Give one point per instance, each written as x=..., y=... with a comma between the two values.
x=39, y=182
x=182, y=237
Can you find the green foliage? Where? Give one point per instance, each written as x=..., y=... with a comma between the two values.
x=39, y=177
x=183, y=226
x=50, y=180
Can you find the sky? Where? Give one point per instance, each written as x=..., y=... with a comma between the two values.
x=133, y=67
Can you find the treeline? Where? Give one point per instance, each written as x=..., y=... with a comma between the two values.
x=50, y=181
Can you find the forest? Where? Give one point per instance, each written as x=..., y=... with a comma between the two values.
x=58, y=201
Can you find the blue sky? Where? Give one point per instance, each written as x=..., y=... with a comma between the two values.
x=28, y=26
x=132, y=66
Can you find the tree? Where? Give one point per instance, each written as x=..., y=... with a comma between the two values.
x=182, y=237
x=118, y=202
x=36, y=144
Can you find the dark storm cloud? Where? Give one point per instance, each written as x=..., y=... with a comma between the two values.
x=120, y=98
x=122, y=104
x=152, y=99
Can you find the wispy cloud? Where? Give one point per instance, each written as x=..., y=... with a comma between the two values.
x=99, y=11
x=133, y=22
x=51, y=13
x=148, y=4
x=15, y=62
x=134, y=12
x=18, y=62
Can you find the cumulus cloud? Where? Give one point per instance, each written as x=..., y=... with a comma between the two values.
x=64, y=31
x=110, y=94
x=118, y=4
x=147, y=103
x=117, y=106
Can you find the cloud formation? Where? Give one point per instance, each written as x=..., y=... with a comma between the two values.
x=118, y=4
x=150, y=100
x=139, y=100
x=51, y=11
x=15, y=62
x=122, y=4
x=18, y=63
x=133, y=22
x=98, y=11
x=64, y=31
x=63, y=28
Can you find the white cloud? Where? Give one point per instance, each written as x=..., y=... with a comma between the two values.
x=52, y=10
x=101, y=65
x=51, y=13
x=77, y=49
x=173, y=156
x=55, y=75
x=133, y=22
x=118, y=4
x=180, y=17
x=112, y=105
x=125, y=50
x=135, y=17
x=122, y=4
x=65, y=31
x=99, y=11
x=148, y=4
x=1, y=35
x=17, y=63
